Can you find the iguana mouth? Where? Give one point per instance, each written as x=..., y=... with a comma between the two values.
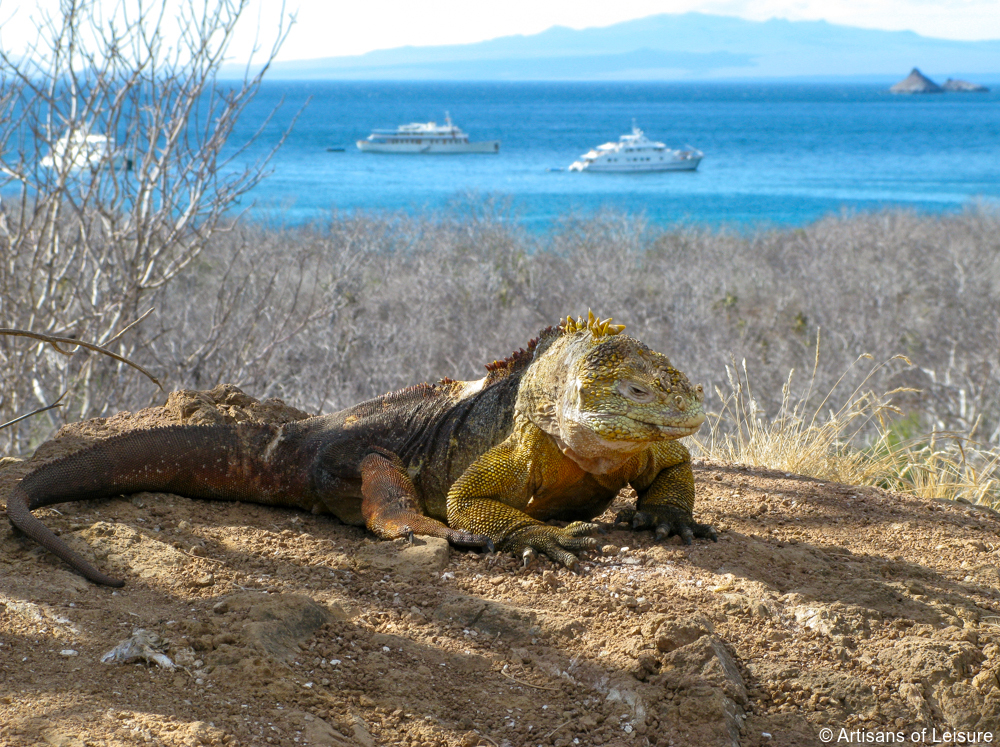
x=670, y=430
x=677, y=431
x=663, y=432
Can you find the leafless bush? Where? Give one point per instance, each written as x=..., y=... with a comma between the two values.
x=443, y=295
x=330, y=314
x=114, y=180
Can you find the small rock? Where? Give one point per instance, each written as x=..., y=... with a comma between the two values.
x=9, y=461
x=648, y=662
x=985, y=681
x=820, y=619
x=674, y=634
x=142, y=644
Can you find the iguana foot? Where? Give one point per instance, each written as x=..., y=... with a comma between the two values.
x=392, y=509
x=469, y=541
x=667, y=521
x=559, y=543
x=425, y=527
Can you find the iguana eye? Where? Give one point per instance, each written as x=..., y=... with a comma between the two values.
x=635, y=392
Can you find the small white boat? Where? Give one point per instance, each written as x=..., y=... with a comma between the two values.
x=83, y=151
x=636, y=152
x=425, y=137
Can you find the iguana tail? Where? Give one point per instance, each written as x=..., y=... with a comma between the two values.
x=216, y=461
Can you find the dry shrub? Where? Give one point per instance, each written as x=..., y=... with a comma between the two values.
x=329, y=314
x=856, y=444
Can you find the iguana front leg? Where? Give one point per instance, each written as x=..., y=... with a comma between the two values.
x=392, y=508
x=666, y=503
x=486, y=500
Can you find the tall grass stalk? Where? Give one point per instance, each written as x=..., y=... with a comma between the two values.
x=856, y=444
x=960, y=469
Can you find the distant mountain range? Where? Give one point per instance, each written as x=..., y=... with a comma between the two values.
x=667, y=47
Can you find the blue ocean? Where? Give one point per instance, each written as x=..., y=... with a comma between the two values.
x=776, y=154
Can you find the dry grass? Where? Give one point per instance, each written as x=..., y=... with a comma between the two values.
x=947, y=466
x=859, y=443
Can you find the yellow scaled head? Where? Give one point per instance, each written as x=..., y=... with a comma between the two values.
x=604, y=395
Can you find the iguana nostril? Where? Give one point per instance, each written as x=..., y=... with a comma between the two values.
x=679, y=401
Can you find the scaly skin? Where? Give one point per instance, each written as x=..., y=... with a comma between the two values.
x=552, y=432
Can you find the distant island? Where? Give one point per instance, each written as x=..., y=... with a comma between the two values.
x=686, y=46
x=917, y=82
x=964, y=86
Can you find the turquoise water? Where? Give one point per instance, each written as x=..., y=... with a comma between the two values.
x=778, y=153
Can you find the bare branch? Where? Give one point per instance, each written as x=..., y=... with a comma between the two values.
x=53, y=340
x=57, y=403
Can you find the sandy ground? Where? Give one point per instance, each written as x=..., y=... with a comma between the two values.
x=822, y=606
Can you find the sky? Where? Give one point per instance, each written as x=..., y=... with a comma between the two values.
x=332, y=28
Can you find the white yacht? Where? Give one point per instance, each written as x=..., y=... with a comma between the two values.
x=81, y=150
x=425, y=137
x=636, y=152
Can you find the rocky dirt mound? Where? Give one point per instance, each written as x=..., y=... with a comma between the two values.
x=822, y=606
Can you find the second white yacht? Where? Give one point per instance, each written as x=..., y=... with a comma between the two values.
x=636, y=152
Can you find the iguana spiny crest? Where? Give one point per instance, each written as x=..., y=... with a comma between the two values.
x=593, y=323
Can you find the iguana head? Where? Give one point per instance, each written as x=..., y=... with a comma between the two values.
x=604, y=396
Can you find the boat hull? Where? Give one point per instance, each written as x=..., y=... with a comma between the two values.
x=434, y=149
x=687, y=164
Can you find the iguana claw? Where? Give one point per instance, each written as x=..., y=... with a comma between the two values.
x=560, y=544
x=468, y=540
x=667, y=521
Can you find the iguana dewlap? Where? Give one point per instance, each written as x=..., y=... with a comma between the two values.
x=552, y=432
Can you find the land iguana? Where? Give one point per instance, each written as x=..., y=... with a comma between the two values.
x=552, y=432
